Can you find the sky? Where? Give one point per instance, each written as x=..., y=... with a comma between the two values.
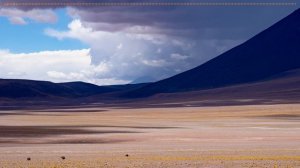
x=123, y=44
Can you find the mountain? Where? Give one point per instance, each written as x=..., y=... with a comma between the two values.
x=15, y=88
x=273, y=51
x=128, y=87
x=144, y=79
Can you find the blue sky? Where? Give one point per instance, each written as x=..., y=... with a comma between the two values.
x=32, y=38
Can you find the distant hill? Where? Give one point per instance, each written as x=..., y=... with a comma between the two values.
x=273, y=51
x=144, y=79
x=128, y=87
x=15, y=88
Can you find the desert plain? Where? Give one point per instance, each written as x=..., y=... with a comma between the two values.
x=218, y=136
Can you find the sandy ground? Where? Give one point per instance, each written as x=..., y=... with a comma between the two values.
x=229, y=136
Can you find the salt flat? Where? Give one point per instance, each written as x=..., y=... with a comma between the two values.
x=226, y=136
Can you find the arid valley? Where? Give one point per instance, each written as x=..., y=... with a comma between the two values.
x=224, y=136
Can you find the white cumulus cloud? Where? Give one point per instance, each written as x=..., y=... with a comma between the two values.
x=57, y=66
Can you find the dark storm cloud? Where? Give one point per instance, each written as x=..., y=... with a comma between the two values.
x=226, y=22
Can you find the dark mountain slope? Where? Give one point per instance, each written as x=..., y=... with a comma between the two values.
x=14, y=88
x=275, y=50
